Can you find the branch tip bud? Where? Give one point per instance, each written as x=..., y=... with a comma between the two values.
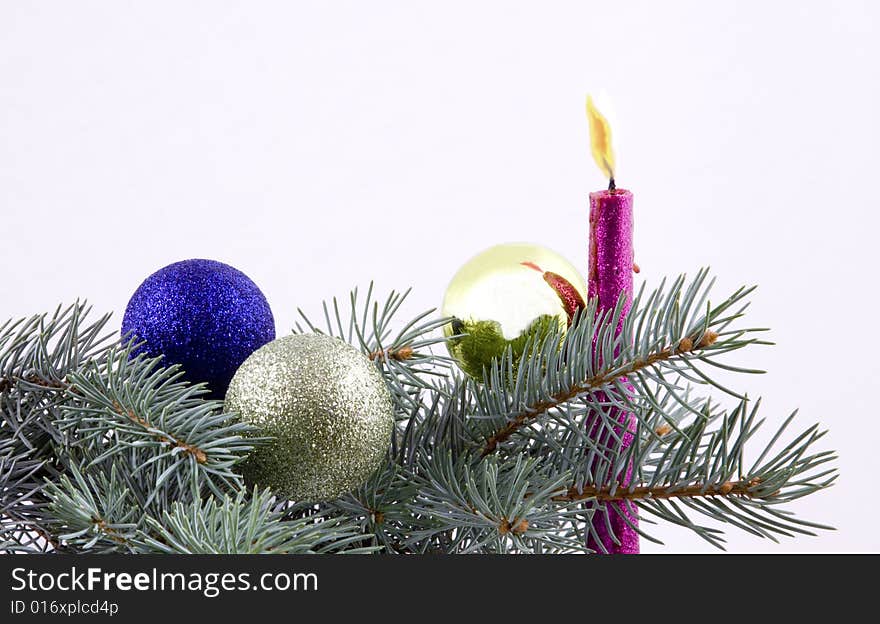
x=708, y=339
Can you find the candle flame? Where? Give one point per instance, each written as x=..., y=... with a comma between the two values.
x=600, y=139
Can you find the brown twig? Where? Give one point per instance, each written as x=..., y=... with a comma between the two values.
x=728, y=488
x=662, y=430
x=9, y=381
x=192, y=449
x=517, y=526
x=684, y=346
x=110, y=533
x=399, y=355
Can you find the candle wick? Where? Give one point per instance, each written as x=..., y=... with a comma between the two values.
x=611, y=185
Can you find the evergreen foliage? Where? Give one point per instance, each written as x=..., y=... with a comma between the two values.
x=104, y=452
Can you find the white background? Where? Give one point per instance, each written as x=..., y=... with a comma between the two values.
x=317, y=146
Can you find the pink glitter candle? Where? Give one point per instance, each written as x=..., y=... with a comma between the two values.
x=611, y=247
x=610, y=275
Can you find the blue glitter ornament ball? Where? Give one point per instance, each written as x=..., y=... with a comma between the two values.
x=204, y=315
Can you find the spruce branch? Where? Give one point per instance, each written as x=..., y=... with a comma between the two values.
x=245, y=523
x=593, y=362
x=379, y=508
x=36, y=356
x=558, y=403
x=601, y=379
x=40, y=350
x=437, y=425
x=703, y=468
x=404, y=356
x=131, y=405
x=22, y=508
x=92, y=512
x=104, y=452
x=494, y=506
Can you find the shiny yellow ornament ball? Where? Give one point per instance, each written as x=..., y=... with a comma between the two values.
x=499, y=299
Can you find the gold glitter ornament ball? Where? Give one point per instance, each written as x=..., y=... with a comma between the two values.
x=506, y=297
x=327, y=408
